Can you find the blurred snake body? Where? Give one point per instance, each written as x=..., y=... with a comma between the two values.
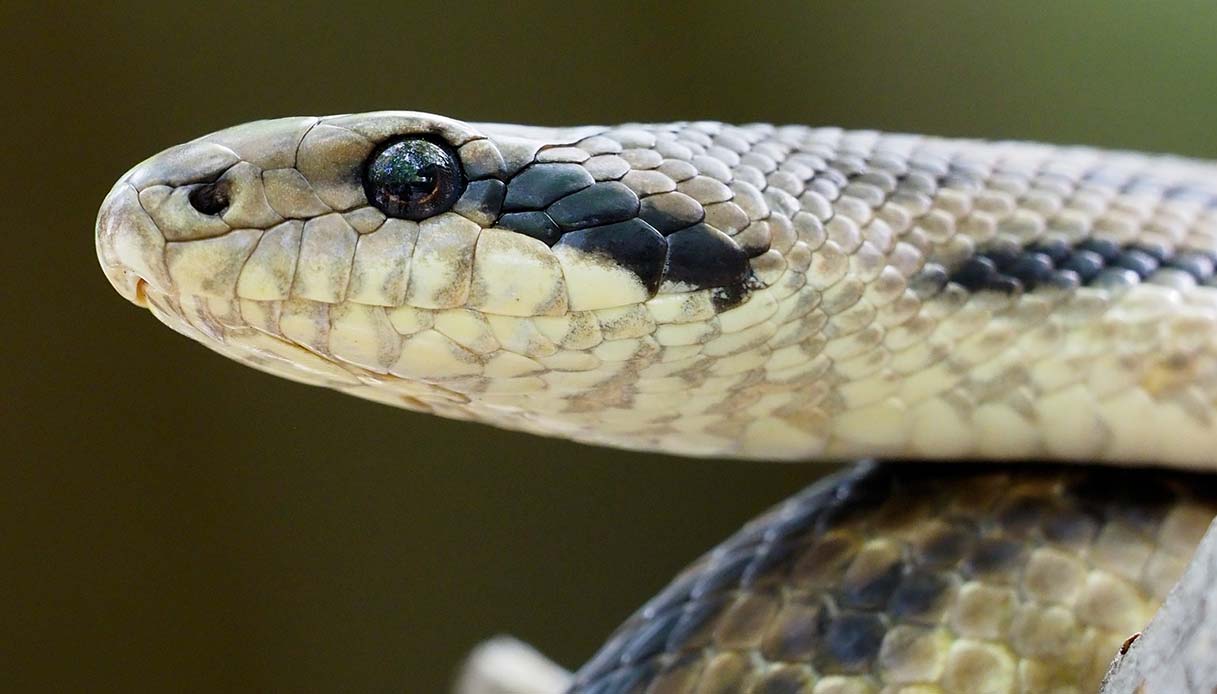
x=766, y=292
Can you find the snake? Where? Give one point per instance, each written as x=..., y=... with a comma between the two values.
x=1024, y=334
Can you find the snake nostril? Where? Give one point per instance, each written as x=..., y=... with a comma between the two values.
x=210, y=198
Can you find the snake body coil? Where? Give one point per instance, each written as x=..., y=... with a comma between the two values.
x=774, y=292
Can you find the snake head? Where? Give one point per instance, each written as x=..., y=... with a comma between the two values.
x=503, y=273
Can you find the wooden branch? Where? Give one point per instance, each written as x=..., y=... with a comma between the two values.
x=504, y=665
x=1177, y=653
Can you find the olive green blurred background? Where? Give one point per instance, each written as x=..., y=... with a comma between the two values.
x=170, y=521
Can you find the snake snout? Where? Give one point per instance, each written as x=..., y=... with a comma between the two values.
x=184, y=193
x=129, y=246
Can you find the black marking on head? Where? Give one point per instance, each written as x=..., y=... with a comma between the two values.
x=632, y=244
x=482, y=201
x=536, y=187
x=608, y=219
x=756, y=240
x=561, y=204
x=601, y=203
x=704, y=257
x=733, y=295
x=535, y=224
x=669, y=212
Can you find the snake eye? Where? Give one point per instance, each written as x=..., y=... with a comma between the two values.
x=209, y=198
x=413, y=179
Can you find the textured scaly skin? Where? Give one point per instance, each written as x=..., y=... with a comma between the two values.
x=774, y=292
x=911, y=580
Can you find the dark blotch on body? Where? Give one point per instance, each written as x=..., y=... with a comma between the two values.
x=921, y=596
x=871, y=587
x=851, y=643
x=798, y=632
x=944, y=546
x=1006, y=267
x=994, y=556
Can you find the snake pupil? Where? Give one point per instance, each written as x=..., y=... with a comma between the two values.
x=413, y=179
